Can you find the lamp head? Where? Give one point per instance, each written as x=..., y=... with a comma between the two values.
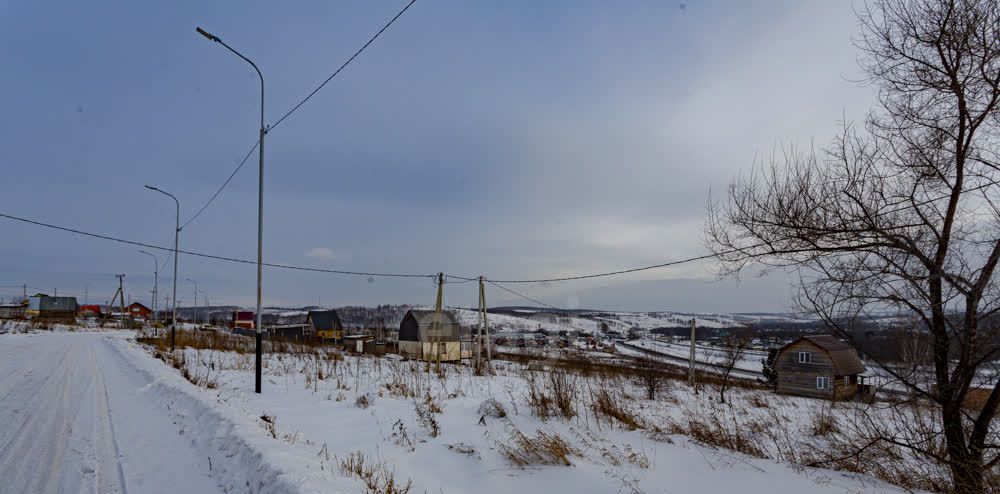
x=206, y=34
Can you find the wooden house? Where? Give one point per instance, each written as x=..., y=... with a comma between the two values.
x=325, y=324
x=431, y=336
x=136, y=310
x=819, y=366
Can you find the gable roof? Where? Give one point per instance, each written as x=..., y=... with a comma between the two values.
x=323, y=320
x=133, y=304
x=425, y=317
x=844, y=357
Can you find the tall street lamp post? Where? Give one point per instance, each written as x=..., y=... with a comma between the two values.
x=260, y=200
x=177, y=231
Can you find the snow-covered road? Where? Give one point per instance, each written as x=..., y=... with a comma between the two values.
x=76, y=416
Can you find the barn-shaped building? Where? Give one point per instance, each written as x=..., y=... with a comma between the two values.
x=431, y=336
x=819, y=366
x=325, y=324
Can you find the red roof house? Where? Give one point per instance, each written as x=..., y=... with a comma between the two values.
x=137, y=310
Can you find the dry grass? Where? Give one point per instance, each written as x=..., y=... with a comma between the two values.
x=377, y=476
x=544, y=448
x=611, y=405
x=426, y=419
x=552, y=396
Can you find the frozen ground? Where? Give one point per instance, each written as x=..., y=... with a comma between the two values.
x=77, y=417
x=95, y=412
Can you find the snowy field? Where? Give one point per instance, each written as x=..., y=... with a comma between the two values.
x=751, y=362
x=327, y=422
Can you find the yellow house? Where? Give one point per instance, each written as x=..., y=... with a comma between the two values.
x=325, y=324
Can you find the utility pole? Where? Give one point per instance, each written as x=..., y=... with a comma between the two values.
x=195, y=300
x=484, y=326
x=691, y=360
x=121, y=297
x=156, y=280
x=436, y=325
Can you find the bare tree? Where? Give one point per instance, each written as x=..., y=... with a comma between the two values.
x=902, y=213
x=649, y=373
x=732, y=352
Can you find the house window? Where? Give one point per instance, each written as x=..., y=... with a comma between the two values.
x=805, y=357
x=822, y=382
x=847, y=381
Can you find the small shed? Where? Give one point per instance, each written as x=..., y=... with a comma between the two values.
x=52, y=308
x=429, y=335
x=325, y=324
x=819, y=366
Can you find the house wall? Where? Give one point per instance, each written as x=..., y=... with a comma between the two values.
x=409, y=329
x=451, y=351
x=800, y=379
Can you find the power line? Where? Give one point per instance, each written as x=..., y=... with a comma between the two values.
x=522, y=295
x=294, y=108
x=613, y=273
x=717, y=254
x=211, y=256
x=345, y=64
x=224, y=184
x=463, y=278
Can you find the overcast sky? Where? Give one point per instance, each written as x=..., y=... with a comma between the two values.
x=510, y=139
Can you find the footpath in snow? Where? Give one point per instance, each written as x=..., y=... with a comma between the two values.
x=78, y=415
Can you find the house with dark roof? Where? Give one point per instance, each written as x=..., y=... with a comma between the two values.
x=430, y=335
x=819, y=366
x=325, y=324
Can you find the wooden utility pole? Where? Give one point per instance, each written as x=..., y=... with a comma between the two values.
x=437, y=322
x=484, y=326
x=119, y=295
x=691, y=360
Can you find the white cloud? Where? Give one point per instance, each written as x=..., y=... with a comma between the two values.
x=320, y=253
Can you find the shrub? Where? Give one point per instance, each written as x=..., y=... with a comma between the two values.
x=492, y=408
x=544, y=448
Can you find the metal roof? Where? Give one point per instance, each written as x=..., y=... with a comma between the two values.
x=845, y=358
x=323, y=320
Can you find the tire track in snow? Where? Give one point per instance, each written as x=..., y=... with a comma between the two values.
x=31, y=457
x=110, y=478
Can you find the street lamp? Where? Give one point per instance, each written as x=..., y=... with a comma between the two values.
x=195, y=299
x=156, y=280
x=177, y=231
x=260, y=199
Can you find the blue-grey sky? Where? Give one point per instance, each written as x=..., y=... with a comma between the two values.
x=511, y=139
